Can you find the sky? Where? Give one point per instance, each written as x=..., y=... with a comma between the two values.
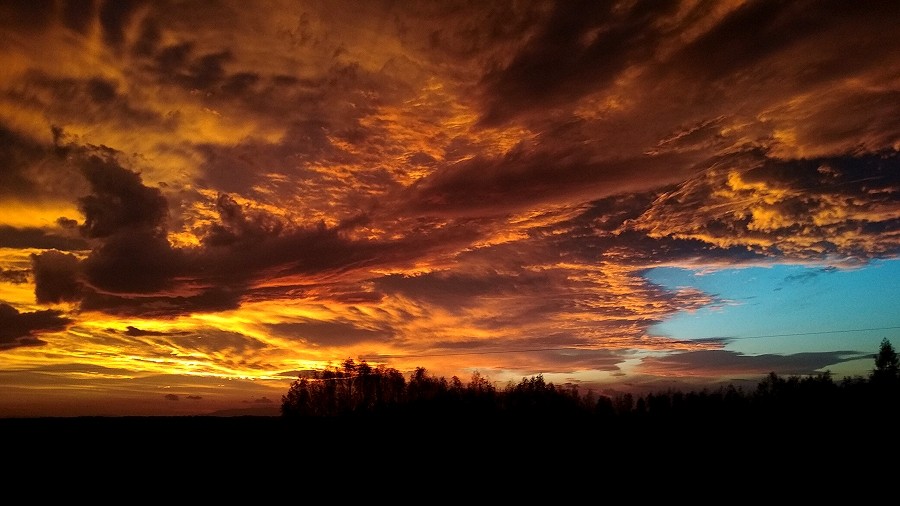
x=201, y=201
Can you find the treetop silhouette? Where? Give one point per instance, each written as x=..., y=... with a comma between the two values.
x=358, y=389
x=887, y=364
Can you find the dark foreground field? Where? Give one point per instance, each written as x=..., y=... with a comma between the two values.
x=792, y=437
x=425, y=460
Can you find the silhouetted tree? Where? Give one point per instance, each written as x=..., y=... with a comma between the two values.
x=353, y=389
x=887, y=364
x=349, y=366
x=604, y=408
x=623, y=403
x=297, y=401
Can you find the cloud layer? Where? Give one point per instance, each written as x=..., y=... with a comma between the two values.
x=429, y=180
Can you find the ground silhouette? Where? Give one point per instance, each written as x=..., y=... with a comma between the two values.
x=374, y=421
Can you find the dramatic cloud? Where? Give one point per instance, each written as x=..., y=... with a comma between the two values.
x=581, y=48
x=217, y=190
x=16, y=276
x=721, y=363
x=119, y=201
x=329, y=333
x=22, y=329
x=136, y=332
x=56, y=277
x=22, y=238
x=801, y=209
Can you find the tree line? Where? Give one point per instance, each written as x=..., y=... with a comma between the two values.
x=360, y=390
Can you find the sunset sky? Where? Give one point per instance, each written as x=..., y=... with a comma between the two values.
x=202, y=200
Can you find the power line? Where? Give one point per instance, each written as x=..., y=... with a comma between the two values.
x=816, y=333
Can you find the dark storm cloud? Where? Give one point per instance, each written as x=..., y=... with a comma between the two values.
x=581, y=49
x=172, y=59
x=528, y=176
x=115, y=15
x=348, y=294
x=806, y=68
x=150, y=305
x=326, y=105
x=759, y=31
x=603, y=234
x=862, y=175
x=315, y=250
x=17, y=154
x=136, y=332
x=242, y=254
x=220, y=79
x=179, y=65
x=101, y=90
x=172, y=397
x=238, y=168
x=702, y=135
x=57, y=277
x=119, y=200
x=240, y=83
x=133, y=267
x=148, y=38
x=138, y=261
x=14, y=276
x=306, y=141
x=37, y=15
x=91, y=99
x=325, y=110
x=238, y=347
x=31, y=237
x=66, y=223
x=554, y=357
x=238, y=224
x=734, y=69
x=129, y=220
x=12, y=152
x=22, y=329
x=78, y=14
x=449, y=290
x=804, y=209
x=458, y=291
x=460, y=31
x=722, y=363
x=134, y=255
x=325, y=333
x=852, y=122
